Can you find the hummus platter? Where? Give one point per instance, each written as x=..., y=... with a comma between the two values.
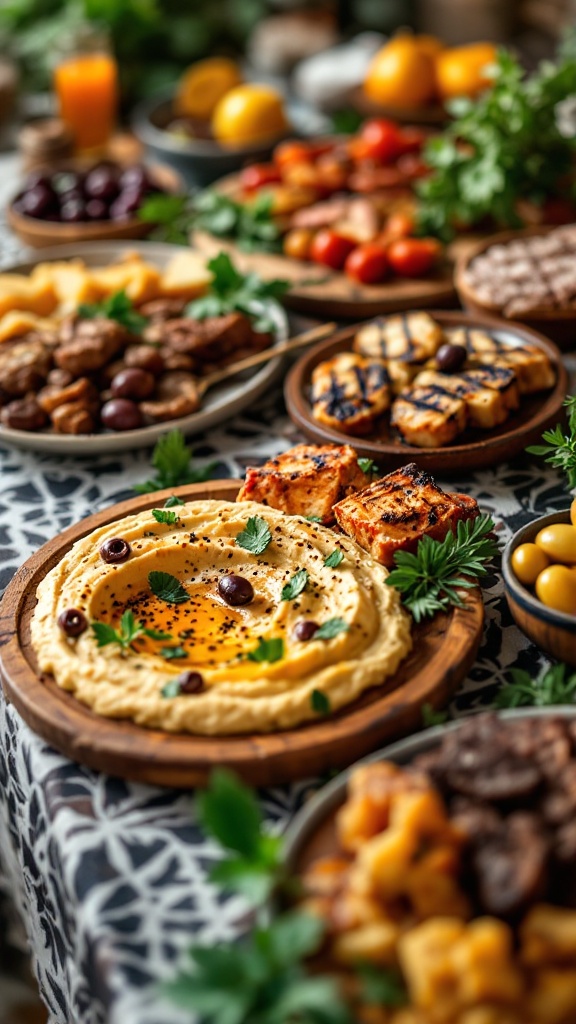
x=205, y=626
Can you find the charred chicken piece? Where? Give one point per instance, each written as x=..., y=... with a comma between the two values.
x=428, y=417
x=485, y=406
x=394, y=513
x=306, y=480
x=350, y=392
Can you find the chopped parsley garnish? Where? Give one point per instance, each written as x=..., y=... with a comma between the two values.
x=319, y=702
x=170, y=653
x=296, y=584
x=130, y=630
x=331, y=628
x=333, y=560
x=172, y=501
x=164, y=516
x=255, y=537
x=116, y=307
x=368, y=466
x=268, y=650
x=167, y=588
x=171, y=459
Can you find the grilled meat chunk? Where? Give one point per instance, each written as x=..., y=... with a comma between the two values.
x=349, y=392
x=485, y=406
x=427, y=417
x=408, y=337
x=394, y=513
x=306, y=480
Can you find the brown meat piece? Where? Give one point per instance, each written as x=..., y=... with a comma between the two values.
x=512, y=867
x=81, y=392
x=145, y=357
x=394, y=513
x=23, y=414
x=176, y=395
x=209, y=340
x=93, y=344
x=306, y=480
x=159, y=310
x=73, y=418
x=24, y=367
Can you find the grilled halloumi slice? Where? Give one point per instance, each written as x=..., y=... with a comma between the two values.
x=427, y=417
x=395, y=512
x=500, y=379
x=533, y=369
x=307, y=480
x=476, y=341
x=408, y=337
x=486, y=407
x=349, y=392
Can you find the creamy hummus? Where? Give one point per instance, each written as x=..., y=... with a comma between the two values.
x=212, y=638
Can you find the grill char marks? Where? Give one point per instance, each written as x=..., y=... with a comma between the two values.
x=394, y=513
x=350, y=392
x=428, y=417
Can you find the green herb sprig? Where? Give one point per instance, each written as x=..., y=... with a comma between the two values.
x=429, y=580
x=130, y=630
x=268, y=650
x=560, y=448
x=255, y=537
x=116, y=307
x=331, y=628
x=167, y=587
x=171, y=458
x=296, y=584
x=554, y=685
x=165, y=516
x=333, y=560
x=251, y=225
x=232, y=291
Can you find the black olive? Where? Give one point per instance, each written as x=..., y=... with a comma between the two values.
x=235, y=590
x=115, y=550
x=305, y=629
x=121, y=414
x=72, y=622
x=450, y=358
x=190, y=682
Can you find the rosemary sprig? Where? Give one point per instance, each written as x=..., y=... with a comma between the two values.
x=429, y=580
x=560, y=448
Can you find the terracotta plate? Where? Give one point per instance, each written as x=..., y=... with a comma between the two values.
x=475, y=448
x=444, y=650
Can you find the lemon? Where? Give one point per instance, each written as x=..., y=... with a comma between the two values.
x=204, y=84
x=401, y=74
x=249, y=113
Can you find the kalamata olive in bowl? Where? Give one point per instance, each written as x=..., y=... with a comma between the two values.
x=121, y=414
x=102, y=182
x=38, y=201
x=133, y=383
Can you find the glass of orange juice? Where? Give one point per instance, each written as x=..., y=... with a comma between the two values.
x=86, y=85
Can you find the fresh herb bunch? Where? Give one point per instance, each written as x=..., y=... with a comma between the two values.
x=429, y=580
x=553, y=686
x=503, y=146
x=116, y=307
x=171, y=458
x=560, y=448
x=248, y=293
x=251, y=225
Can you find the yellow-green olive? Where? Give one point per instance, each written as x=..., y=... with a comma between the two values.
x=559, y=542
x=528, y=561
x=573, y=512
x=556, y=588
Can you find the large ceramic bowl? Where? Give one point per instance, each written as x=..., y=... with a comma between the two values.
x=199, y=161
x=554, y=632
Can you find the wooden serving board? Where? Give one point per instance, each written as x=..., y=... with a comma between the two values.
x=444, y=650
x=476, y=448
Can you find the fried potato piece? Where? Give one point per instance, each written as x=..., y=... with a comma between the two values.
x=408, y=337
x=307, y=480
x=33, y=294
x=548, y=936
x=71, y=282
x=426, y=417
x=18, y=322
x=350, y=392
x=185, y=276
x=394, y=513
x=140, y=280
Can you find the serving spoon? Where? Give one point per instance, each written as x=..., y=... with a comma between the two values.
x=299, y=341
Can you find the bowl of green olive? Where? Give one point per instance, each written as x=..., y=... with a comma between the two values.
x=539, y=569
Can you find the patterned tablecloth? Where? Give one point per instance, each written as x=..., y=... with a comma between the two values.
x=107, y=879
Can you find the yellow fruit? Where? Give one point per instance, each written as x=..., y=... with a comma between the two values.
x=573, y=512
x=461, y=71
x=429, y=45
x=556, y=588
x=249, y=113
x=528, y=561
x=558, y=541
x=401, y=74
x=204, y=84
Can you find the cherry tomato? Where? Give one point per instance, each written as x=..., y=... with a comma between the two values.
x=382, y=139
x=412, y=139
x=297, y=243
x=292, y=152
x=413, y=257
x=399, y=225
x=331, y=249
x=528, y=561
x=368, y=263
x=257, y=175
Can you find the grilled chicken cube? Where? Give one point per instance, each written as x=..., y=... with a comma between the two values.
x=533, y=369
x=349, y=392
x=486, y=408
x=306, y=480
x=408, y=337
x=427, y=417
x=394, y=513
x=500, y=379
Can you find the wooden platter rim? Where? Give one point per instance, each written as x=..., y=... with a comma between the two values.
x=179, y=759
x=450, y=456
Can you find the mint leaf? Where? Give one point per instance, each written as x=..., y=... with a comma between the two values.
x=162, y=516
x=268, y=650
x=229, y=811
x=331, y=628
x=255, y=537
x=170, y=653
x=296, y=584
x=319, y=702
x=167, y=588
x=172, y=501
x=104, y=634
x=333, y=560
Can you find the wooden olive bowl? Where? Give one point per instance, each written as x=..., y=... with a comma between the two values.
x=40, y=234
x=554, y=632
x=557, y=324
